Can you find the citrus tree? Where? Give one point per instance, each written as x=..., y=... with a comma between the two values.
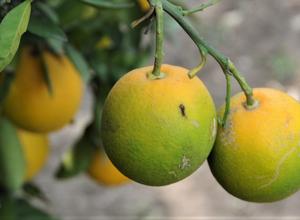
x=45, y=67
x=157, y=124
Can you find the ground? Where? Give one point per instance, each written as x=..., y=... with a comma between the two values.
x=263, y=38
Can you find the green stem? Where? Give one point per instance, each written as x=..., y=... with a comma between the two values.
x=159, y=54
x=228, y=95
x=224, y=62
x=200, y=7
x=193, y=72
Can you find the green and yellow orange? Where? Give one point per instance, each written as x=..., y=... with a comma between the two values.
x=256, y=155
x=159, y=131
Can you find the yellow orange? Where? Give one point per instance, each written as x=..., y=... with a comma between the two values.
x=104, y=172
x=36, y=149
x=256, y=156
x=144, y=5
x=30, y=105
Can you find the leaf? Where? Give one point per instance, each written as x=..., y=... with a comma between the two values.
x=108, y=4
x=12, y=27
x=46, y=28
x=7, y=206
x=46, y=76
x=79, y=62
x=68, y=17
x=77, y=160
x=6, y=80
x=48, y=11
x=25, y=211
x=33, y=190
x=56, y=46
x=12, y=164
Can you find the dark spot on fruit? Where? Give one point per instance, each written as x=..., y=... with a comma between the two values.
x=182, y=110
x=34, y=52
x=72, y=121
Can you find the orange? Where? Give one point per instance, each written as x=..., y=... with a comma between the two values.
x=256, y=156
x=104, y=172
x=158, y=132
x=36, y=149
x=30, y=105
x=144, y=5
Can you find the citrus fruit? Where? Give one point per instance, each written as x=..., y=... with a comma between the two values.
x=104, y=172
x=30, y=105
x=256, y=155
x=144, y=5
x=35, y=147
x=158, y=132
x=104, y=42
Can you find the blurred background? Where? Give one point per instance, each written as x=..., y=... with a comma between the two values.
x=262, y=37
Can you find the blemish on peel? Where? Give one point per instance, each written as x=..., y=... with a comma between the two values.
x=182, y=110
x=195, y=123
x=227, y=134
x=278, y=168
x=287, y=122
x=173, y=173
x=185, y=163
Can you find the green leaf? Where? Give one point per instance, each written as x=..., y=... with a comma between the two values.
x=46, y=75
x=25, y=211
x=12, y=164
x=47, y=10
x=7, y=79
x=79, y=62
x=45, y=28
x=7, y=206
x=68, y=17
x=12, y=27
x=108, y=4
x=56, y=46
x=77, y=160
x=34, y=191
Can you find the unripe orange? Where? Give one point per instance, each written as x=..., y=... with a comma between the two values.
x=158, y=131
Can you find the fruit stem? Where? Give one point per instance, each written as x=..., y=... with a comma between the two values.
x=200, y=7
x=178, y=14
x=228, y=95
x=159, y=54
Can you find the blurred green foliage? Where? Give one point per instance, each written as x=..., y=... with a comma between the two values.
x=283, y=66
x=98, y=39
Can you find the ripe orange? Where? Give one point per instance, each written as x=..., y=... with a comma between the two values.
x=144, y=5
x=158, y=132
x=36, y=149
x=104, y=172
x=256, y=156
x=30, y=105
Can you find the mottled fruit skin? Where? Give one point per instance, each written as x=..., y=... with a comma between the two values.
x=30, y=105
x=35, y=147
x=158, y=132
x=104, y=172
x=256, y=157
